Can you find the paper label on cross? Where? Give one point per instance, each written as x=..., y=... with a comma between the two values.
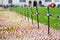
x=48, y=14
x=58, y=16
x=36, y=12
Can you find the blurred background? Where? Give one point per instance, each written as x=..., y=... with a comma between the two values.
x=40, y=3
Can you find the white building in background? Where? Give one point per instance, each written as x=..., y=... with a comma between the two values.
x=0, y=2
x=26, y=2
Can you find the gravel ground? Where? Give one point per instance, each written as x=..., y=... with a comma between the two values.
x=15, y=27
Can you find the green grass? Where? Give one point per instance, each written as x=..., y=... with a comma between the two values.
x=54, y=21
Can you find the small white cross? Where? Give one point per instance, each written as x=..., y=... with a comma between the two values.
x=36, y=13
x=48, y=14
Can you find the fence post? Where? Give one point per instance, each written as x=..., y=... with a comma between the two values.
x=20, y=10
x=23, y=11
x=27, y=14
x=31, y=14
x=48, y=14
x=37, y=16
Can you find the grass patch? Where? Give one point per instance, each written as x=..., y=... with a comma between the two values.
x=54, y=21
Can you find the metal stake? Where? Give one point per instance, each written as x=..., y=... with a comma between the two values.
x=48, y=20
x=27, y=14
x=37, y=17
x=31, y=15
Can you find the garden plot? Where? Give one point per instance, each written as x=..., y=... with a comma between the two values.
x=14, y=27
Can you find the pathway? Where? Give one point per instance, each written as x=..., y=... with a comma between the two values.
x=15, y=27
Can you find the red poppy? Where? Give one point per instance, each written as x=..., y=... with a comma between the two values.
x=52, y=5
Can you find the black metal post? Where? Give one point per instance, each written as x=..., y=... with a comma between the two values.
x=27, y=14
x=22, y=11
x=31, y=15
x=37, y=16
x=48, y=24
x=48, y=20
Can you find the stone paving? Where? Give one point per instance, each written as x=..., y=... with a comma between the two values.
x=15, y=27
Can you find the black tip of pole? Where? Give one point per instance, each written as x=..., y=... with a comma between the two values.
x=48, y=8
x=58, y=16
